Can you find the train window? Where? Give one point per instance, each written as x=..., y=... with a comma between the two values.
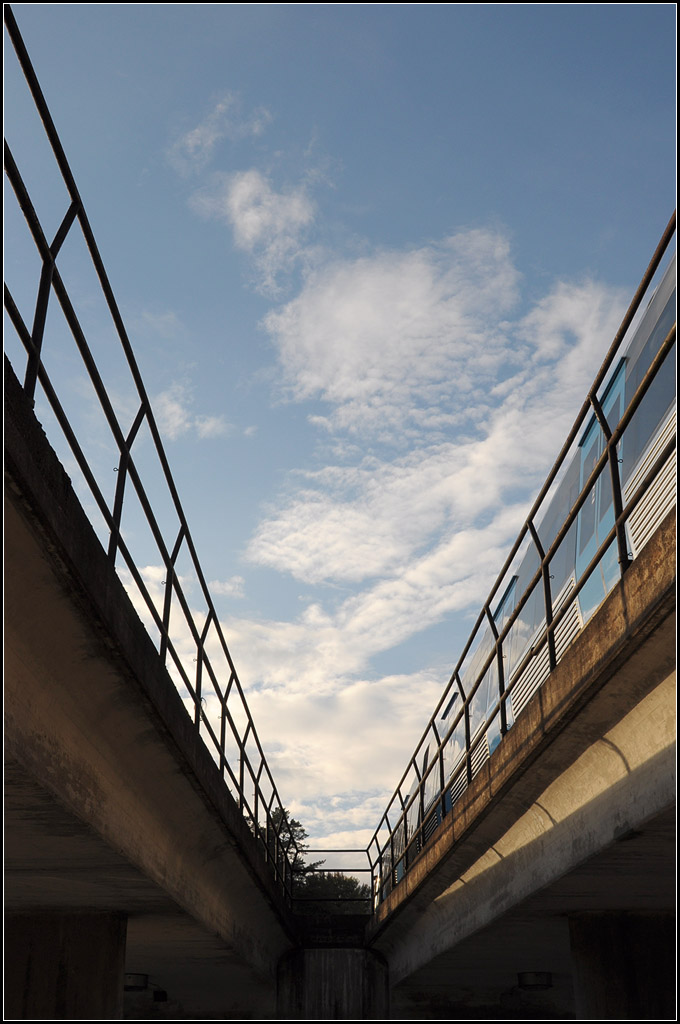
x=596, y=516
x=562, y=562
x=658, y=399
x=449, y=707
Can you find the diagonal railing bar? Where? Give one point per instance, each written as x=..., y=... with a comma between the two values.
x=413, y=817
x=587, y=487
x=424, y=794
x=120, y=483
x=617, y=495
x=230, y=693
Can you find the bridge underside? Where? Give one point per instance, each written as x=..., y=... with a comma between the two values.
x=118, y=821
x=114, y=811
x=479, y=976
x=563, y=847
x=57, y=866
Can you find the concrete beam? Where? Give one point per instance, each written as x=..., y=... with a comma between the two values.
x=96, y=730
x=591, y=758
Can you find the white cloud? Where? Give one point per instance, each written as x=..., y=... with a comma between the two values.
x=499, y=395
x=211, y=426
x=268, y=225
x=337, y=758
x=171, y=412
x=401, y=341
x=194, y=149
x=172, y=409
x=416, y=348
x=233, y=587
x=324, y=649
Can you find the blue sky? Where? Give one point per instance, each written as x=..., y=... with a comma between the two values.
x=360, y=250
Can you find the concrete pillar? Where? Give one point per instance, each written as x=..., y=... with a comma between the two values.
x=64, y=966
x=332, y=984
x=624, y=965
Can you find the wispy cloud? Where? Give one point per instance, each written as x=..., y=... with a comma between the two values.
x=402, y=341
x=174, y=415
x=193, y=150
x=442, y=401
x=330, y=776
x=269, y=225
x=233, y=587
x=474, y=405
x=412, y=531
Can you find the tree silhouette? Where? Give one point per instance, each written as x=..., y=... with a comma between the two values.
x=291, y=839
x=312, y=889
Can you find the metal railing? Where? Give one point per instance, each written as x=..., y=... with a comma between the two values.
x=336, y=887
x=212, y=692
x=428, y=788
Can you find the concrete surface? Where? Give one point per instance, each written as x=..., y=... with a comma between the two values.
x=116, y=809
x=114, y=803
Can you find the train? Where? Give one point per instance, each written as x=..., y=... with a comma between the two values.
x=461, y=739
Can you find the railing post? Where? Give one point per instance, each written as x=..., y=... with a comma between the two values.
x=547, y=596
x=615, y=476
x=501, y=672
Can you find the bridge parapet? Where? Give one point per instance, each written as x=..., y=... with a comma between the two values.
x=189, y=640
x=609, y=489
x=620, y=660
x=114, y=803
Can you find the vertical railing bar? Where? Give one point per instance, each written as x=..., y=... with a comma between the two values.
x=500, y=669
x=38, y=329
x=547, y=595
x=167, y=600
x=199, y=684
x=615, y=477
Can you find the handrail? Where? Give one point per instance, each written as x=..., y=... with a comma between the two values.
x=215, y=696
x=247, y=774
x=407, y=822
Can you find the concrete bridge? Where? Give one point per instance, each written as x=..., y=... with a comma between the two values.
x=548, y=893
x=136, y=883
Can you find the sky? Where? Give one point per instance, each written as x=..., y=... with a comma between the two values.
x=370, y=258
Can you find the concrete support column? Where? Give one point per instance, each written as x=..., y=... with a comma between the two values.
x=624, y=965
x=64, y=966
x=332, y=984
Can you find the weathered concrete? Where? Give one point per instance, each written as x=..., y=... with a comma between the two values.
x=62, y=966
x=590, y=761
x=115, y=803
x=605, y=793
x=478, y=976
x=333, y=984
x=624, y=965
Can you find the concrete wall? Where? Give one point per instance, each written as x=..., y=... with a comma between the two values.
x=67, y=966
